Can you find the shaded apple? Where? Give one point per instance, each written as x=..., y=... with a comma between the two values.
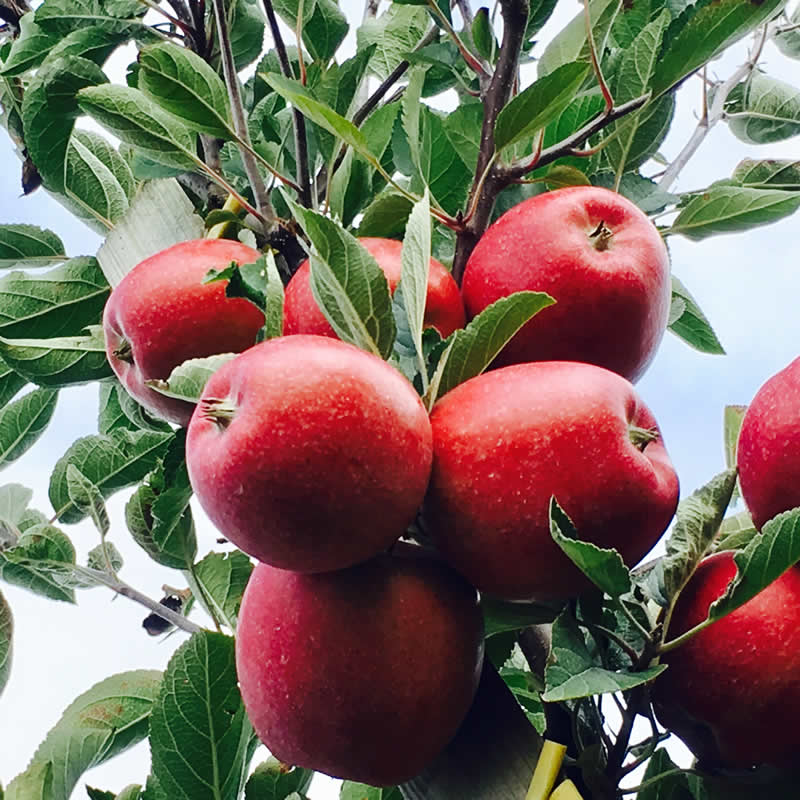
x=444, y=309
x=507, y=440
x=364, y=673
x=162, y=314
x=732, y=691
x=602, y=260
x=768, y=452
x=308, y=453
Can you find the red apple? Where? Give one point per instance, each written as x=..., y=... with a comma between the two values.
x=732, y=691
x=364, y=673
x=506, y=441
x=768, y=453
x=162, y=314
x=308, y=453
x=443, y=309
x=602, y=260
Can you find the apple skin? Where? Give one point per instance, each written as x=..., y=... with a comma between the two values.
x=732, y=691
x=611, y=304
x=506, y=441
x=444, y=309
x=364, y=673
x=319, y=461
x=768, y=453
x=164, y=313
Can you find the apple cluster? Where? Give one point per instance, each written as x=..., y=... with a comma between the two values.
x=315, y=457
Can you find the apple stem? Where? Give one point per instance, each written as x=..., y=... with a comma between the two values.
x=641, y=437
x=124, y=352
x=601, y=236
x=218, y=410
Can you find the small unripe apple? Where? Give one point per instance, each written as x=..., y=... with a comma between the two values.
x=444, y=309
x=308, y=453
x=162, y=314
x=602, y=260
x=732, y=691
x=506, y=441
x=768, y=453
x=364, y=673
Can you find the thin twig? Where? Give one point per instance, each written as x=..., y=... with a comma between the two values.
x=298, y=120
x=263, y=204
x=713, y=114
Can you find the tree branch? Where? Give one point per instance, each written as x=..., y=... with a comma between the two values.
x=298, y=120
x=495, y=97
x=713, y=114
x=263, y=204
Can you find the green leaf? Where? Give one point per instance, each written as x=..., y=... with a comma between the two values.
x=289, y=10
x=319, y=113
x=63, y=361
x=674, y=785
x=181, y=82
x=763, y=110
x=34, y=562
x=788, y=41
x=386, y=215
x=63, y=16
x=218, y=582
x=571, y=44
x=86, y=497
x=92, y=43
x=247, y=32
x=103, y=556
x=500, y=616
x=735, y=532
x=416, y=256
x=463, y=128
x=732, y=424
x=573, y=673
x=160, y=215
x=688, y=322
x=604, y=567
x=325, y=31
x=6, y=644
x=14, y=499
x=469, y=351
x=697, y=522
x=769, y=173
x=533, y=108
x=135, y=119
x=348, y=284
x=103, y=722
x=271, y=780
x=483, y=35
x=393, y=34
x=729, y=209
x=98, y=183
x=350, y=790
x=27, y=245
x=23, y=421
x=411, y=111
x=49, y=110
x=99, y=794
x=199, y=706
x=119, y=410
x=111, y=462
x=702, y=31
x=768, y=555
x=29, y=49
x=187, y=380
x=61, y=302
x=130, y=792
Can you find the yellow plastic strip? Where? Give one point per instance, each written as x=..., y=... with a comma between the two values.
x=566, y=790
x=546, y=772
x=231, y=204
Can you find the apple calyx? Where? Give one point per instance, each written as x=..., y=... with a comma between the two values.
x=601, y=237
x=641, y=437
x=124, y=352
x=219, y=410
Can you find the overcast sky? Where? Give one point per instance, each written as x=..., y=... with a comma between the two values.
x=747, y=284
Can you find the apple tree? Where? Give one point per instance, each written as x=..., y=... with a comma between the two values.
x=304, y=129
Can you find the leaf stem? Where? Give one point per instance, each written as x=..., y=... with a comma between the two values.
x=472, y=61
x=598, y=71
x=665, y=647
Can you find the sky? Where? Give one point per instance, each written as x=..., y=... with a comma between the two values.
x=747, y=284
